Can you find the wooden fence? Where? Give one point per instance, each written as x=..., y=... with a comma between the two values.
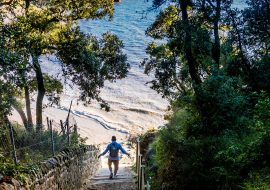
x=140, y=170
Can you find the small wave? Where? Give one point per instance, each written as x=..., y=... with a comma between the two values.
x=143, y=111
x=100, y=120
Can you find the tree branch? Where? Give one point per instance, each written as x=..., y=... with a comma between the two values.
x=211, y=4
x=6, y=3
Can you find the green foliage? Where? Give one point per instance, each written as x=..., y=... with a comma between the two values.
x=7, y=88
x=53, y=87
x=218, y=135
x=257, y=18
x=35, y=146
x=189, y=158
x=7, y=165
x=88, y=62
x=31, y=149
x=226, y=106
x=227, y=148
x=258, y=181
x=261, y=73
x=5, y=99
x=19, y=172
x=76, y=140
x=51, y=28
x=164, y=23
x=177, y=156
x=168, y=61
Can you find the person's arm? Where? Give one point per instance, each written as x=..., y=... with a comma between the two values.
x=123, y=150
x=104, y=152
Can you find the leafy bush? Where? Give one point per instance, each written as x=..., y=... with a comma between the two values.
x=31, y=148
x=235, y=156
x=20, y=171
x=258, y=180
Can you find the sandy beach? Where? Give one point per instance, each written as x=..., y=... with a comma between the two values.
x=135, y=108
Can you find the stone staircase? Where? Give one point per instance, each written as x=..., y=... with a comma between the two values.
x=123, y=181
x=120, y=183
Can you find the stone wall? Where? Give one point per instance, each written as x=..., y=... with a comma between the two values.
x=69, y=170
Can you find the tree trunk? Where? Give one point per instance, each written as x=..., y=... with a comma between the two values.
x=22, y=114
x=239, y=42
x=216, y=47
x=192, y=64
x=41, y=92
x=27, y=4
x=28, y=108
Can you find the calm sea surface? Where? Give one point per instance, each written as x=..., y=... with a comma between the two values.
x=129, y=24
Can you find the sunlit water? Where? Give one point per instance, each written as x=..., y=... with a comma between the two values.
x=135, y=107
x=130, y=21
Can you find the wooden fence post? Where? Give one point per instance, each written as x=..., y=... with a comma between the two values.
x=66, y=126
x=52, y=141
x=140, y=169
x=75, y=129
x=13, y=144
x=140, y=173
x=138, y=152
x=63, y=128
x=48, y=123
x=142, y=178
x=148, y=186
x=68, y=134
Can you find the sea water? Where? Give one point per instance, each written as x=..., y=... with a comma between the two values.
x=130, y=21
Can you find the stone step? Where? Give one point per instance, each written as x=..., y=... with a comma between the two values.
x=123, y=181
x=113, y=186
x=120, y=182
x=107, y=178
x=100, y=178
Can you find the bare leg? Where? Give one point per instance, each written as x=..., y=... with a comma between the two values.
x=116, y=166
x=110, y=167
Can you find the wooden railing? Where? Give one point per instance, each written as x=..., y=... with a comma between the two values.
x=140, y=170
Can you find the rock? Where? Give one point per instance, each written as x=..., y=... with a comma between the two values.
x=16, y=184
x=69, y=170
x=6, y=186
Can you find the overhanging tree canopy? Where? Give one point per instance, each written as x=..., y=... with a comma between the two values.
x=36, y=28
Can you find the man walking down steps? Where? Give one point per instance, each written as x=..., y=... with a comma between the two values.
x=125, y=179
x=114, y=148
